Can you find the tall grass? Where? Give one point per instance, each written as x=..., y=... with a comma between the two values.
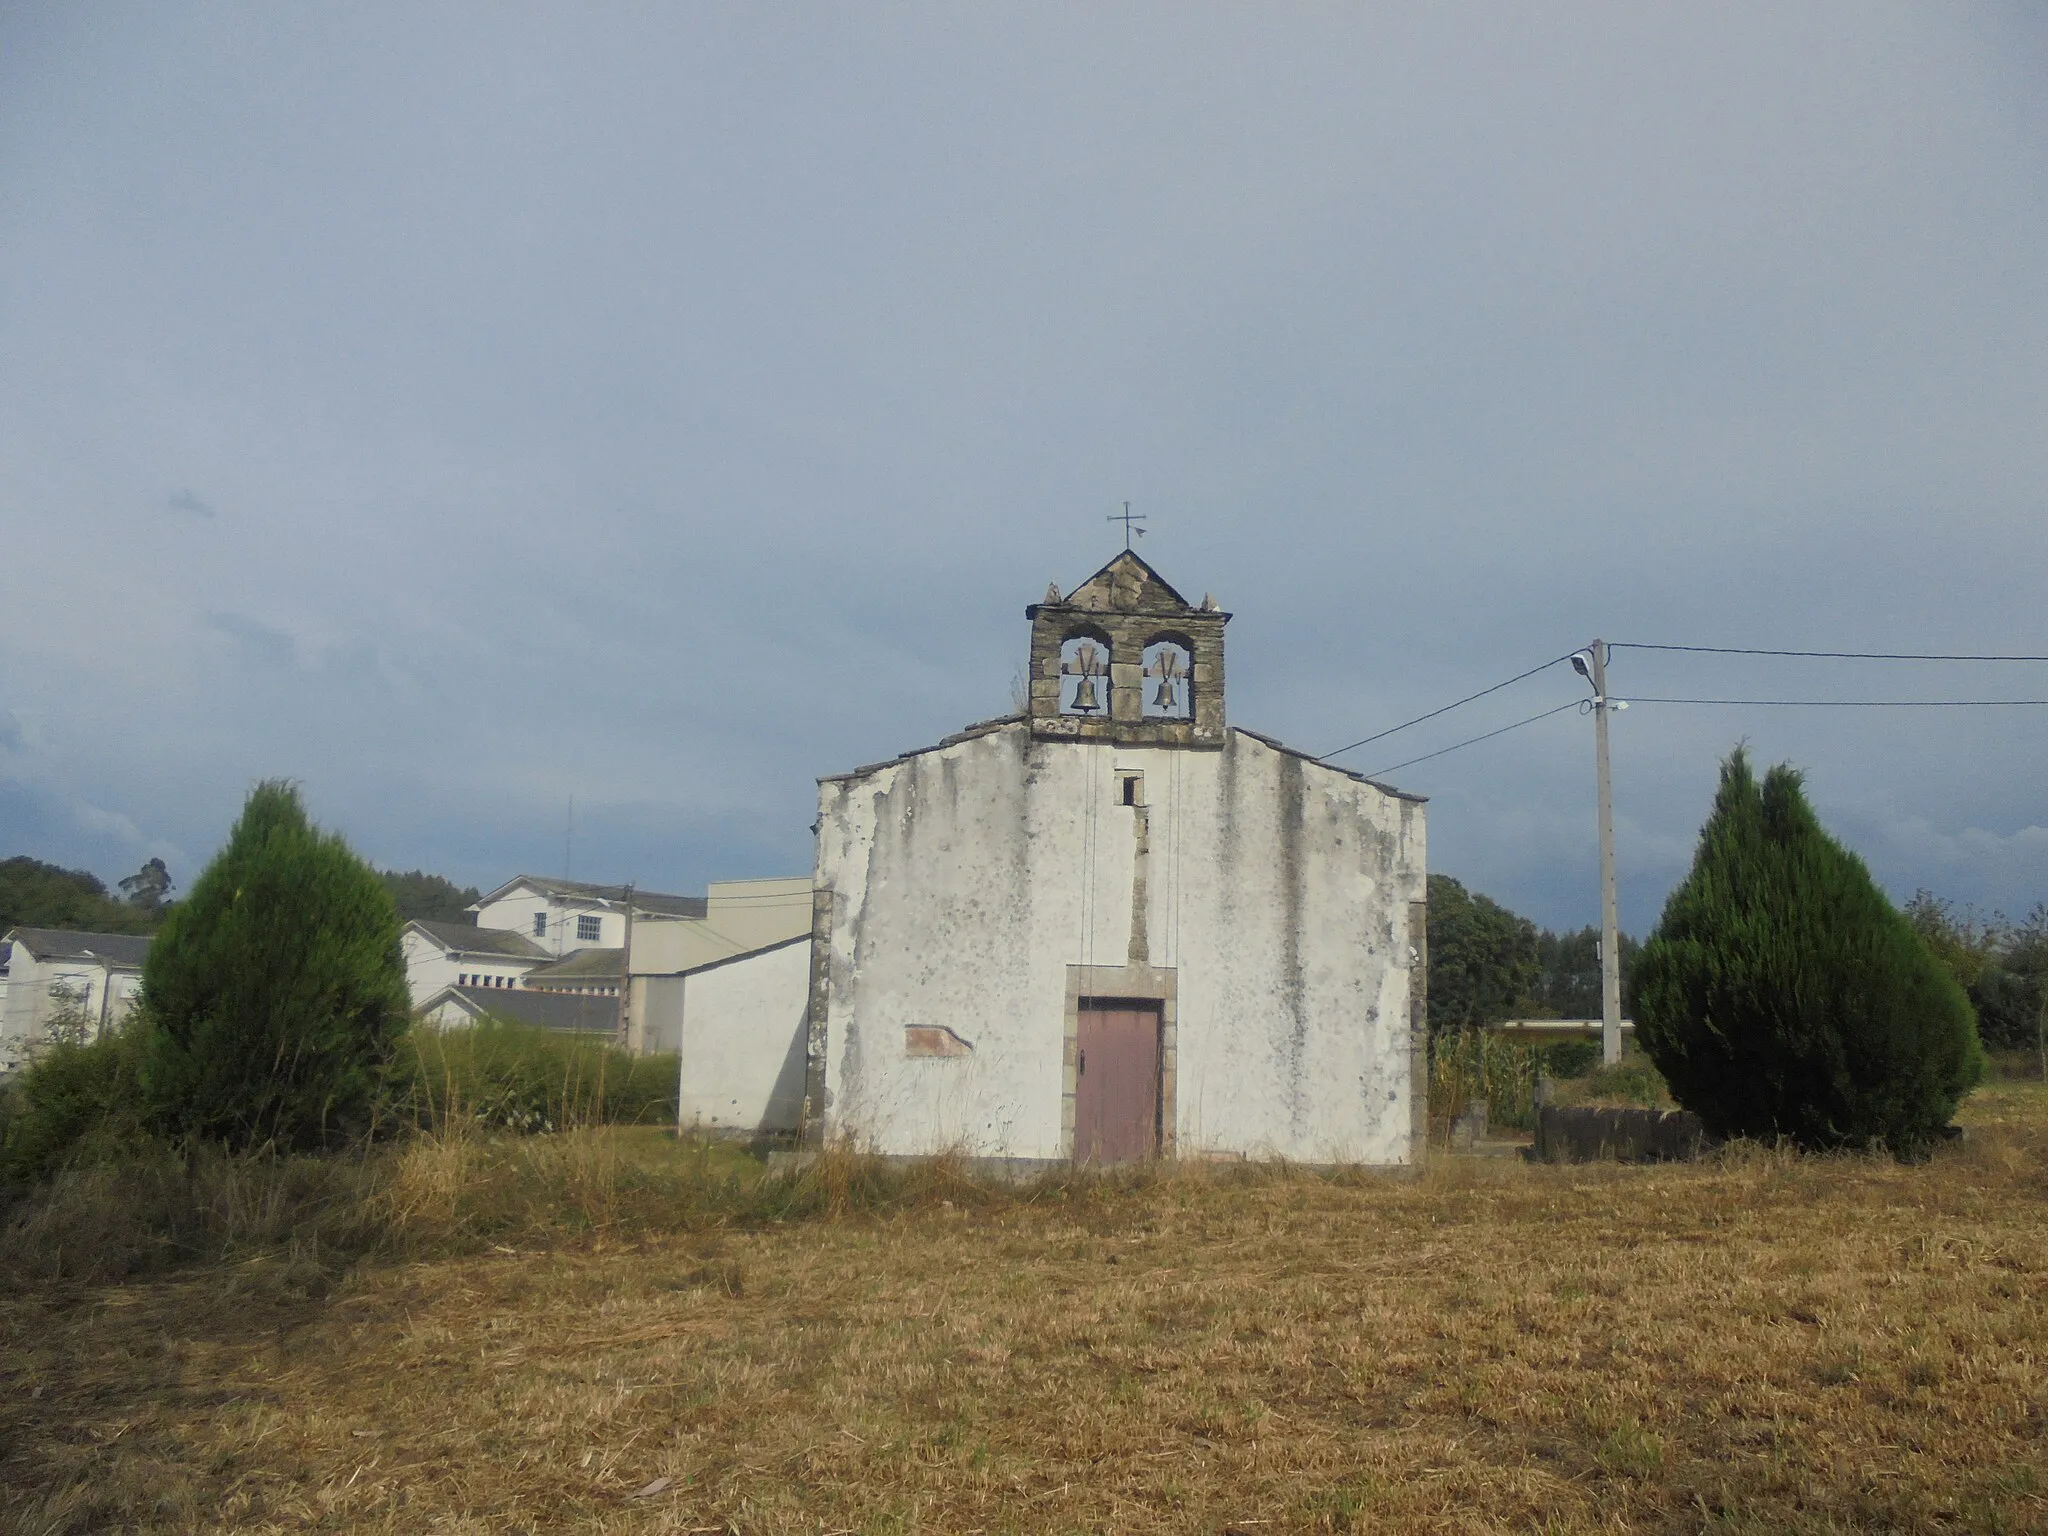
x=518, y=1078
x=1476, y=1065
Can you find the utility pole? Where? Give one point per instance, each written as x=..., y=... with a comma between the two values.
x=626, y=979
x=1610, y=939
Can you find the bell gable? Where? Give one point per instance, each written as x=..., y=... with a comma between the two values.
x=1125, y=658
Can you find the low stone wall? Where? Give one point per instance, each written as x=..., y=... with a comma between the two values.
x=1618, y=1135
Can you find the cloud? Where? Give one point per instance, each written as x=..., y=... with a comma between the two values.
x=670, y=409
x=258, y=641
x=102, y=823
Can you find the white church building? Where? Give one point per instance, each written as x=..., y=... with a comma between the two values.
x=1114, y=927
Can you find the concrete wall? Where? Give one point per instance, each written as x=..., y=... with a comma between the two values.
x=1267, y=895
x=742, y=1034
x=740, y=916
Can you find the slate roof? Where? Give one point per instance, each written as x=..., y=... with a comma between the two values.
x=657, y=902
x=598, y=964
x=573, y=1012
x=121, y=949
x=468, y=939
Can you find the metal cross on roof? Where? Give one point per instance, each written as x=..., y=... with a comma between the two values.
x=1130, y=520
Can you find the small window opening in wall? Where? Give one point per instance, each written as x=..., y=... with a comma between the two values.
x=540, y=925
x=588, y=929
x=1130, y=789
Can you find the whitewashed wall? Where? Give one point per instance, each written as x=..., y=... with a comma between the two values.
x=742, y=1031
x=30, y=1004
x=965, y=880
x=429, y=967
x=515, y=910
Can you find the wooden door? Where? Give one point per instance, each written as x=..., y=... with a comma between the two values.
x=1116, y=1083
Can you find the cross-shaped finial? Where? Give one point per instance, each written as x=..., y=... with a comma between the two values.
x=1130, y=520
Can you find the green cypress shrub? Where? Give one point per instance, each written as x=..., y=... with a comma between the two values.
x=1783, y=995
x=275, y=992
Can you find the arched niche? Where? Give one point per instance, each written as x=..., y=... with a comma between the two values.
x=1167, y=678
x=1084, y=673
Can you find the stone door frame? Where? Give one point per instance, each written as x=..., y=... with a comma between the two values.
x=1140, y=983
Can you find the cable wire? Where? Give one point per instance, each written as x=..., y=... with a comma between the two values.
x=1488, y=736
x=1482, y=693
x=1850, y=703
x=1745, y=650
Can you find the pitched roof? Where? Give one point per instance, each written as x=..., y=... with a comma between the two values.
x=745, y=954
x=1322, y=762
x=121, y=949
x=1127, y=584
x=658, y=903
x=601, y=963
x=571, y=1011
x=468, y=939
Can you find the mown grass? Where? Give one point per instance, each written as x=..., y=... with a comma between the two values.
x=1761, y=1342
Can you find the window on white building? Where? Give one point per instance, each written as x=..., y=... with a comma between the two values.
x=589, y=929
x=540, y=925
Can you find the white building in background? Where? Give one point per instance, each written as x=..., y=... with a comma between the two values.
x=563, y=916
x=538, y=941
x=55, y=981
x=739, y=1033
x=1116, y=927
x=441, y=955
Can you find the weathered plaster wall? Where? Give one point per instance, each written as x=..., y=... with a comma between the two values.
x=957, y=887
x=742, y=1032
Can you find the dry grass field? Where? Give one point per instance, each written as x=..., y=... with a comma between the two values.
x=1759, y=1343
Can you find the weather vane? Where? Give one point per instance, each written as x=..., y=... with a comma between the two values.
x=1130, y=520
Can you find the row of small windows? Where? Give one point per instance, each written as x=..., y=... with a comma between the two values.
x=481, y=979
x=588, y=929
x=1166, y=678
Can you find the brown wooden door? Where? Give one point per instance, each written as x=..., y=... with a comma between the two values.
x=1116, y=1085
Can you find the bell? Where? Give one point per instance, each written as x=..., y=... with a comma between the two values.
x=1085, y=700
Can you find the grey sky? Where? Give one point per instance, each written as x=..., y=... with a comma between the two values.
x=460, y=408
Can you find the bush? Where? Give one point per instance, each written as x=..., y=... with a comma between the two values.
x=518, y=1078
x=1632, y=1082
x=77, y=1100
x=1783, y=995
x=1571, y=1058
x=275, y=992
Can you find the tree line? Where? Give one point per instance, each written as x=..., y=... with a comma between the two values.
x=1488, y=963
x=34, y=894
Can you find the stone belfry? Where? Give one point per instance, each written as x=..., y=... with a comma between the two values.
x=1125, y=658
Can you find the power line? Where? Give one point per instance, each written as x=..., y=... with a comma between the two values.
x=1488, y=736
x=1745, y=650
x=1851, y=703
x=1482, y=693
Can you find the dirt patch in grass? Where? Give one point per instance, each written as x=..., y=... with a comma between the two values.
x=1759, y=1343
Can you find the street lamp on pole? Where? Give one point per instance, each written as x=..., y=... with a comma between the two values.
x=1591, y=664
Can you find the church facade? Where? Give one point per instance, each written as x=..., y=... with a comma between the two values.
x=1117, y=927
